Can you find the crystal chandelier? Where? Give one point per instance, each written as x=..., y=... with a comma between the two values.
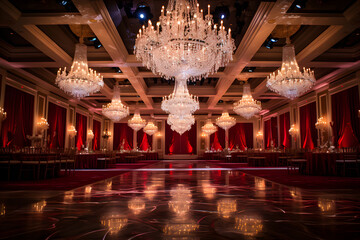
x=180, y=102
x=136, y=122
x=180, y=123
x=209, y=128
x=293, y=130
x=2, y=114
x=150, y=128
x=42, y=124
x=225, y=121
x=321, y=124
x=115, y=110
x=90, y=134
x=72, y=131
x=81, y=81
x=185, y=44
x=247, y=106
x=289, y=81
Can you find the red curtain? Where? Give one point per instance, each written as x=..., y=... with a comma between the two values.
x=346, y=123
x=57, y=124
x=274, y=131
x=180, y=144
x=19, y=107
x=144, y=141
x=241, y=135
x=217, y=140
x=267, y=132
x=123, y=136
x=271, y=132
x=285, y=138
x=97, y=133
x=81, y=128
x=308, y=131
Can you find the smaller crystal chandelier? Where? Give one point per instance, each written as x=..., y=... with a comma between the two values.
x=293, y=131
x=2, y=114
x=247, y=106
x=209, y=128
x=90, y=134
x=136, y=122
x=115, y=110
x=180, y=102
x=72, y=131
x=180, y=124
x=259, y=135
x=81, y=81
x=225, y=121
x=321, y=124
x=289, y=81
x=42, y=124
x=150, y=128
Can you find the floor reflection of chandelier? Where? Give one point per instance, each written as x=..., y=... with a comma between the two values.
x=248, y=225
x=225, y=121
x=289, y=81
x=226, y=207
x=209, y=128
x=150, y=128
x=115, y=110
x=136, y=122
x=184, y=44
x=136, y=205
x=181, y=123
x=247, y=106
x=81, y=81
x=114, y=223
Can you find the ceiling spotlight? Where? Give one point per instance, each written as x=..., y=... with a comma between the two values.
x=117, y=69
x=269, y=43
x=222, y=12
x=143, y=13
x=62, y=2
x=251, y=69
x=272, y=39
x=97, y=44
x=92, y=39
x=300, y=4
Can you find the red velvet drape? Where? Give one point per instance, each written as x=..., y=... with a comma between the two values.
x=57, y=124
x=308, y=131
x=180, y=144
x=346, y=123
x=217, y=140
x=123, y=136
x=144, y=141
x=274, y=131
x=97, y=135
x=271, y=132
x=267, y=133
x=241, y=135
x=19, y=107
x=81, y=128
x=285, y=139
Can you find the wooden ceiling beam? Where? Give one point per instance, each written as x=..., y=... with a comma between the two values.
x=310, y=19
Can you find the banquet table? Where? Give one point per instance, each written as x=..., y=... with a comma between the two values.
x=212, y=155
x=322, y=163
x=87, y=160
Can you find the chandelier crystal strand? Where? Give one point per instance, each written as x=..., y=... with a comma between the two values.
x=81, y=81
x=150, y=128
x=209, y=128
x=184, y=42
x=289, y=81
x=225, y=121
x=180, y=102
x=115, y=110
x=180, y=123
x=136, y=122
x=247, y=107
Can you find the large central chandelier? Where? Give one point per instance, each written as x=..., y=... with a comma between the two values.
x=81, y=81
x=136, y=122
x=180, y=102
x=180, y=123
x=225, y=121
x=115, y=110
x=289, y=81
x=184, y=44
x=247, y=106
x=209, y=128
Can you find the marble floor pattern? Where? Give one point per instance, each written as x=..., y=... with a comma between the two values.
x=181, y=200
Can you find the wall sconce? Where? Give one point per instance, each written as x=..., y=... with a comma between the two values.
x=293, y=131
x=90, y=134
x=72, y=131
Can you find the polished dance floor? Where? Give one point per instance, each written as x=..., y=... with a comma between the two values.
x=182, y=200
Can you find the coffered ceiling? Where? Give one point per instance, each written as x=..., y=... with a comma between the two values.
x=36, y=40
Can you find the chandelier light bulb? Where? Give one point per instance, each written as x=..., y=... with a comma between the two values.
x=209, y=128
x=115, y=110
x=136, y=122
x=225, y=121
x=247, y=107
x=289, y=81
x=81, y=81
x=150, y=128
x=184, y=43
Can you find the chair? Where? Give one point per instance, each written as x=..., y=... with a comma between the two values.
x=67, y=160
x=106, y=160
x=349, y=161
x=7, y=162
